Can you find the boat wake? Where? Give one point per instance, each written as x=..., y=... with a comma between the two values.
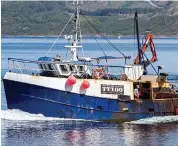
x=18, y=115
x=156, y=120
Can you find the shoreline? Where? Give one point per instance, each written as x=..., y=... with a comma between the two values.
x=86, y=36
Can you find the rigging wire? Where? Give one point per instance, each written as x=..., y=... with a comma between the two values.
x=149, y=62
x=59, y=35
x=81, y=39
x=95, y=38
x=97, y=30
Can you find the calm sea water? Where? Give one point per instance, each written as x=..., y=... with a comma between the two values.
x=23, y=129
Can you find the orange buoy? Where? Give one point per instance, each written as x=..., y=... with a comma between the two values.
x=85, y=84
x=71, y=80
x=177, y=111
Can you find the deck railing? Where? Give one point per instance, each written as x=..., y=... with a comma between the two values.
x=20, y=66
x=32, y=67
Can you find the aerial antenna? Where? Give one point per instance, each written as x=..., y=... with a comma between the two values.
x=76, y=37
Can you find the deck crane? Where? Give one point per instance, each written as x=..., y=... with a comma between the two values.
x=148, y=41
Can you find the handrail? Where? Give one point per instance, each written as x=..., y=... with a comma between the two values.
x=38, y=69
x=36, y=61
x=112, y=66
x=22, y=60
x=19, y=65
x=15, y=66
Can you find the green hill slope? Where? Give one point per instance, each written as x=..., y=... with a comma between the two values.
x=112, y=18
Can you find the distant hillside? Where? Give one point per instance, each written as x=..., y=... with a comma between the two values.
x=111, y=17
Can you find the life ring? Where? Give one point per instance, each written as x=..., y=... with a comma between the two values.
x=98, y=73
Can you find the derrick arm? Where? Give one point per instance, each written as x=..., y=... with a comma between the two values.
x=154, y=56
x=148, y=41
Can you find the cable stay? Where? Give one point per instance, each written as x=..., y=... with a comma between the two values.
x=98, y=31
x=59, y=35
x=77, y=34
x=95, y=39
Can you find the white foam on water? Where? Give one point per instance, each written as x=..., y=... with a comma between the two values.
x=155, y=120
x=18, y=115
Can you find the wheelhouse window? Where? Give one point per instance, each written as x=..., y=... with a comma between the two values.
x=50, y=67
x=41, y=66
x=44, y=67
x=64, y=69
x=72, y=68
x=81, y=68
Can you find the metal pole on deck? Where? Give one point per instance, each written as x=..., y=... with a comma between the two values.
x=138, y=39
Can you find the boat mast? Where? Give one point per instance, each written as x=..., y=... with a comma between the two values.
x=76, y=39
x=138, y=39
x=76, y=25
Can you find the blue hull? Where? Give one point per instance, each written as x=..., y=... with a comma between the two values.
x=56, y=103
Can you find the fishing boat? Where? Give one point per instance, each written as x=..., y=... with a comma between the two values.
x=83, y=88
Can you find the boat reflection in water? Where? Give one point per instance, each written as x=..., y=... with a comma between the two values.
x=69, y=132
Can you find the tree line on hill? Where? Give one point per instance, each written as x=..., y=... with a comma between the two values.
x=48, y=18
